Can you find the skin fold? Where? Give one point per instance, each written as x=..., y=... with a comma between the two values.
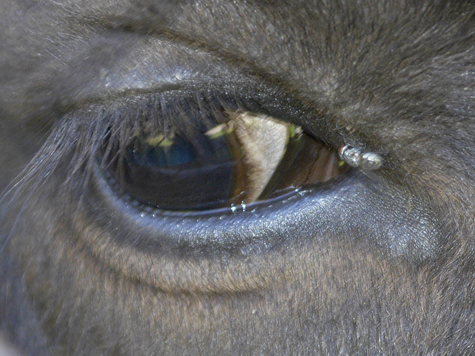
x=367, y=263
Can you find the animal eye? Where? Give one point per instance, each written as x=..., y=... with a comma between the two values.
x=240, y=159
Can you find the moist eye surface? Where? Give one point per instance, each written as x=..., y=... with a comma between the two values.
x=239, y=159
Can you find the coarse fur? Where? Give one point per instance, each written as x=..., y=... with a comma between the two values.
x=367, y=264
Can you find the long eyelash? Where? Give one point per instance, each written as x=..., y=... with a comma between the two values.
x=77, y=137
x=75, y=142
x=81, y=135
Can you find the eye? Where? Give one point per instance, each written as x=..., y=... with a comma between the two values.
x=226, y=158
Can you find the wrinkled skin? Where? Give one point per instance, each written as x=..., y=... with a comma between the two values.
x=369, y=264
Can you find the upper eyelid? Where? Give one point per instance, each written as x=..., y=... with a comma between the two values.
x=148, y=64
x=119, y=64
x=258, y=99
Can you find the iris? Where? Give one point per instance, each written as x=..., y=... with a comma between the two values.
x=248, y=158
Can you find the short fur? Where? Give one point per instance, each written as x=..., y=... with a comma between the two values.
x=378, y=265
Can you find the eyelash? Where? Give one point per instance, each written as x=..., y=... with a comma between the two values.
x=76, y=140
x=86, y=138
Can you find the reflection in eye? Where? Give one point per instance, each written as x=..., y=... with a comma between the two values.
x=247, y=158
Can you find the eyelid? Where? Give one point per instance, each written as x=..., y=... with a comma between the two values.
x=145, y=64
x=148, y=65
x=185, y=106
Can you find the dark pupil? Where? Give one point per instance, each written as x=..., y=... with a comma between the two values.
x=247, y=159
x=175, y=174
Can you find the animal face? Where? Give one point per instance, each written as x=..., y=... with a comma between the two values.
x=173, y=183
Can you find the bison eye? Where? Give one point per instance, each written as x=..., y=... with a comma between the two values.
x=242, y=160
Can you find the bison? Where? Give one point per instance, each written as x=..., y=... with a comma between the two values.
x=237, y=177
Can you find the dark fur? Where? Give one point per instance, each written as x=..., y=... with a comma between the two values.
x=371, y=266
